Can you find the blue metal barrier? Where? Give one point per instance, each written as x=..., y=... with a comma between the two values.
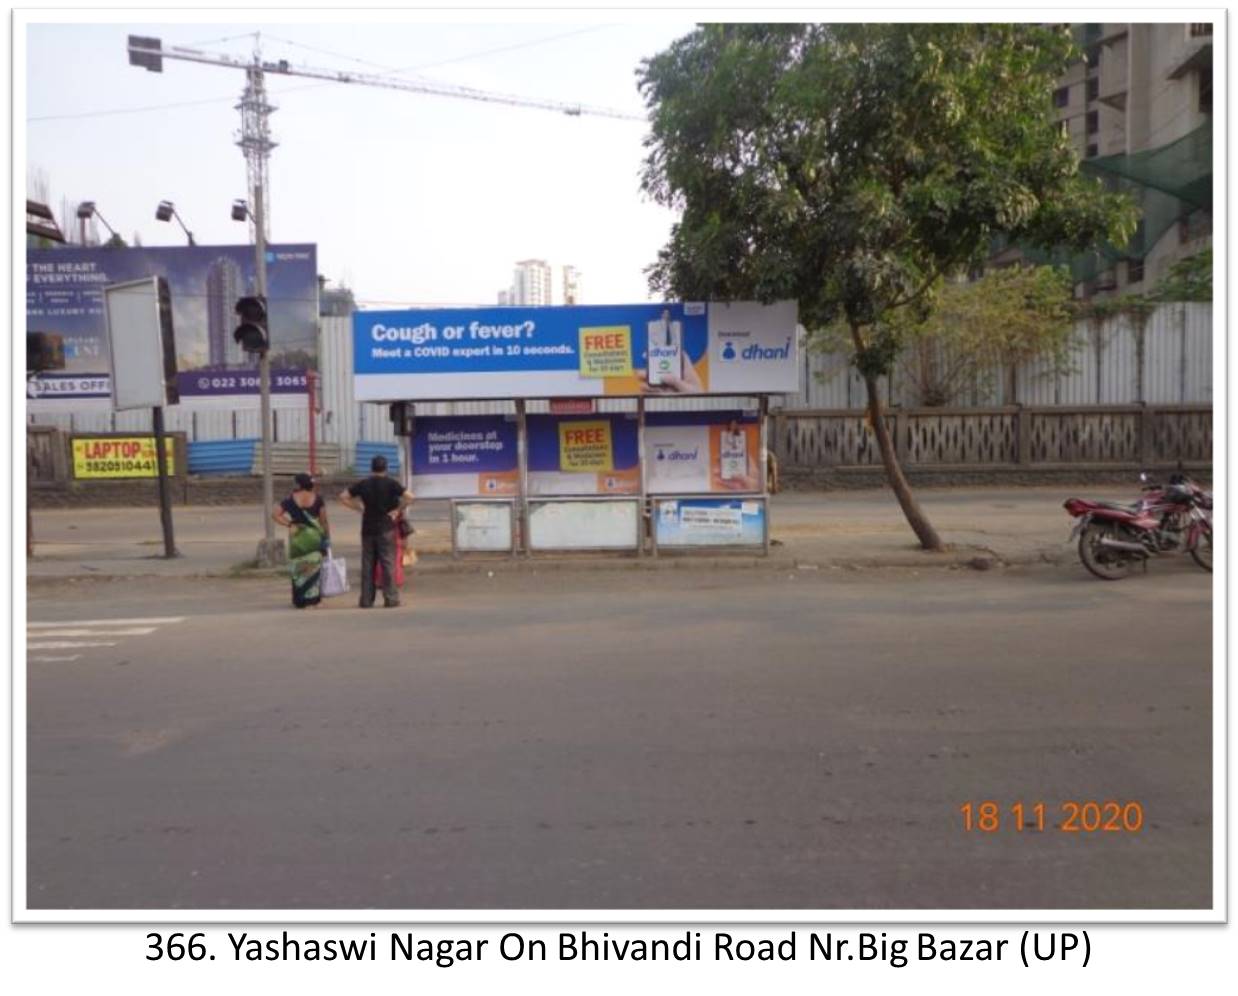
x=367, y=451
x=222, y=456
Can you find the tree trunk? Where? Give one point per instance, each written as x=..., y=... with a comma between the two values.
x=916, y=518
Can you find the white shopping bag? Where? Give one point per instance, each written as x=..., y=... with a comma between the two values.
x=334, y=576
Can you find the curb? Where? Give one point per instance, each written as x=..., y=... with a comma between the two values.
x=976, y=559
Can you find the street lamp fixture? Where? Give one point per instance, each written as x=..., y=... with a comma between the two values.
x=240, y=210
x=166, y=211
x=87, y=210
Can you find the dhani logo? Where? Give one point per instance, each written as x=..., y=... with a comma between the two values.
x=758, y=352
x=754, y=350
x=681, y=456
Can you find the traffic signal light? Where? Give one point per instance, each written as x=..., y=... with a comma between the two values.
x=401, y=415
x=252, y=332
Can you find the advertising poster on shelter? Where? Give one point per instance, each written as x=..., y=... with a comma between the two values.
x=575, y=351
x=702, y=452
x=584, y=455
x=64, y=296
x=465, y=456
x=711, y=522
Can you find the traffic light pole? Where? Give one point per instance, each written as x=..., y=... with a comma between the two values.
x=270, y=550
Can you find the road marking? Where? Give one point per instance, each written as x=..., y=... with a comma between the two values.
x=71, y=657
x=66, y=645
x=156, y=620
x=138, y=631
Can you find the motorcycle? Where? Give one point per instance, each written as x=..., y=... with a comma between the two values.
x=1168, y=518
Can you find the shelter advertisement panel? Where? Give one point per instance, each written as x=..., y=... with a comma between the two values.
x=575, y=351
x=702, y=452
x=710, y=522
x=465, y=456
x=584, y=454
x=64, y=295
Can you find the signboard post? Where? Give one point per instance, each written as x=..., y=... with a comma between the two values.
x=142, y=357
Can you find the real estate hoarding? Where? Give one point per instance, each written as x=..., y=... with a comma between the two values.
x=64, y=295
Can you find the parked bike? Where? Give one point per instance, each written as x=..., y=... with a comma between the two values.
x=1168, y=518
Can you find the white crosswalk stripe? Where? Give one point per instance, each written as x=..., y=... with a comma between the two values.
x=78, y=634
x=152, y=621
x=94, y=631
x=70, y=644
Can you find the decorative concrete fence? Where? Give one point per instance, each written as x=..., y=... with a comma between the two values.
x=1009, y=437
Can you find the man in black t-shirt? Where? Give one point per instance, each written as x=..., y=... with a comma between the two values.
x=380, y=500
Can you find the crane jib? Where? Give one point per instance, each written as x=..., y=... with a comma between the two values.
x=149, y=53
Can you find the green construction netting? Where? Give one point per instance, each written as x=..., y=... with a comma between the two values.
x=1169, y=184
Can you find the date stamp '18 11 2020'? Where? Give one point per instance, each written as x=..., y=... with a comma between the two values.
x=1109, y=816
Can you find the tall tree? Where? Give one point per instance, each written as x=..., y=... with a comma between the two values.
x=852, y=166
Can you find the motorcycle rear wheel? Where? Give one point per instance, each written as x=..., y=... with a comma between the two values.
x=1201, y=552
x=1108, y=565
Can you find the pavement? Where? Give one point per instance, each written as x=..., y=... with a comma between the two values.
x=688, y=739
x=983, y=528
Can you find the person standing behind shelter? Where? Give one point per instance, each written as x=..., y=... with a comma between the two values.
x=380, y=500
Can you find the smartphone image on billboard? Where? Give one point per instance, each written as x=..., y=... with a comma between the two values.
x=664, y=351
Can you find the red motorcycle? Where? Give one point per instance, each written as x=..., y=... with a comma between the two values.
x=1170, y=518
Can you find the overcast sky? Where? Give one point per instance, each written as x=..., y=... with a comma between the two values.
x=411, y=198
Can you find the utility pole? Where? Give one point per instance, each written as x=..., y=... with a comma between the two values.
x=255, y=142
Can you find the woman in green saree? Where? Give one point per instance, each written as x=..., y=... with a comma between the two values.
x=305, y=515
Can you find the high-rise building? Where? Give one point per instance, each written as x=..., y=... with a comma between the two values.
x=505, y=298
x=1138, y=109
x=571, y=285
x=531, y=282
x=223, y=287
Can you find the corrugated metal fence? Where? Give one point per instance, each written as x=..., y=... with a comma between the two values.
x=1167, y=360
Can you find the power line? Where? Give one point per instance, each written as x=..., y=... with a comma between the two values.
x=131, y=110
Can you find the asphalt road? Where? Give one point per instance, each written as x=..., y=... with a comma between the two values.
x=680, y=739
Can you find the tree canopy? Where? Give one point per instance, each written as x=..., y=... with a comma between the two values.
x=850, y=166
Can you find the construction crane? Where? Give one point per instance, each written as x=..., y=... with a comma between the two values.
x=255, y=139
x=256, y=144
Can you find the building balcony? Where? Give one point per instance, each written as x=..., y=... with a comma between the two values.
x=1193, y=52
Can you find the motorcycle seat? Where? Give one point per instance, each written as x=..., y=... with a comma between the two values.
x=1118, y=506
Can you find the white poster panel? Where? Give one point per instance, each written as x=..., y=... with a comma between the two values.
x=584, y=525
x=753, y=343
x=677, y=459
x=135, y=344
x=483, y=526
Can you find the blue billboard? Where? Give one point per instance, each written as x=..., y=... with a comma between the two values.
x=575, y=351
x=64, y=296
